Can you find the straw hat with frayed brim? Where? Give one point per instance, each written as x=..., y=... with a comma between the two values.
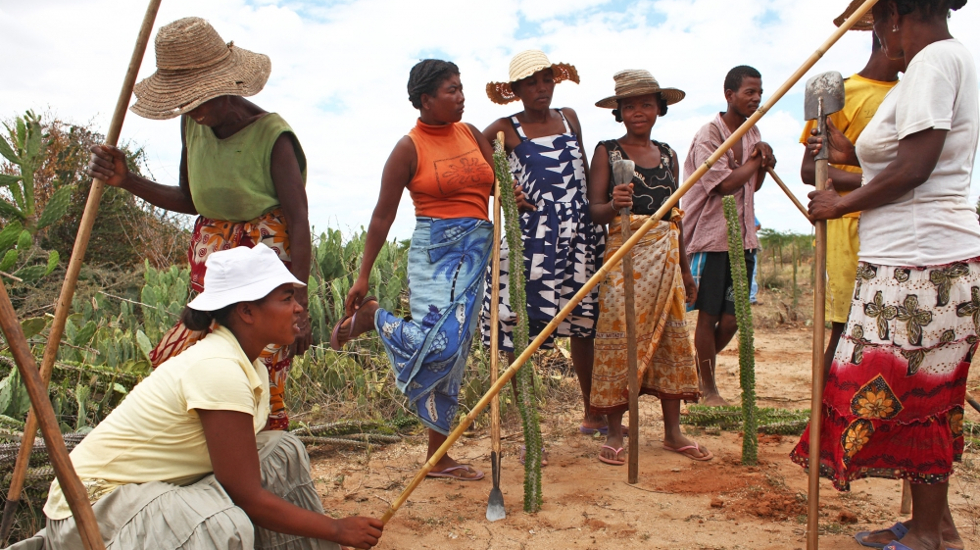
x=524, y=65
x=866, y=23
x=194, y=65
x=632, y=83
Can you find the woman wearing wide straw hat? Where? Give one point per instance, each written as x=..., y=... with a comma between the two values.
x=242, y=170
x=446, y=166
x=185, y=461
x=561, y=244
x=894, y=398
x=665, y=355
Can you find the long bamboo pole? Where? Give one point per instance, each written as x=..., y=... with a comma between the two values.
x=74, y=268
x=71, y=486
x=618, y=256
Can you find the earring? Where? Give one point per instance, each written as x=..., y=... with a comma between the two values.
x=895, y=28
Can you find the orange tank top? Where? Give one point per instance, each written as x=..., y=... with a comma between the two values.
x=452, y=180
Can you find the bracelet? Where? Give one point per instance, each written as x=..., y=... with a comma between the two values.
x=613, y=206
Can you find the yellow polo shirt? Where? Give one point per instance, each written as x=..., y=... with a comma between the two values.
x=155, y=434
x=862, y=96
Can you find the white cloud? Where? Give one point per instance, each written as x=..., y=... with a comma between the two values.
x=340, y=68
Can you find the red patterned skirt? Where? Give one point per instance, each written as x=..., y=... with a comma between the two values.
x=893, y=405
x=213, y=235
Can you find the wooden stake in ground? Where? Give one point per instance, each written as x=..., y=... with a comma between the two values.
x=617, y=256
x=824, y=95
x=74, y=267
x=622, y=171
x=71, y=486
x=495, y=503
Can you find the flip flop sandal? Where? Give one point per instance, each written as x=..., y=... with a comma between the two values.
x=335, y=342
x=895, y=545
x=696, y=447
x=612, y=461
x=448, y=473
x=899, y=530
x=544, y=455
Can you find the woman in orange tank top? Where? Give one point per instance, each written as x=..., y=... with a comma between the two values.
x=446, y=166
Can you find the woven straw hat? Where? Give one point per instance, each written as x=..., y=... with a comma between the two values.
x=866, y=23
x=194, y=65
x=524, y=65
x=634, y=82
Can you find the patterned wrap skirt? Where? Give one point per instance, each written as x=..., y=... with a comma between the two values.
x=665, y=354
x=893, y=404
x=446, y=263
x=213, y=235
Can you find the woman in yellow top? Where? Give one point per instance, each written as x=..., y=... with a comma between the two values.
x=185, y=461
x=242, y=170
x=446, y=166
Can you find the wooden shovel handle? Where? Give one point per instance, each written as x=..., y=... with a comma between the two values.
x=631, y=351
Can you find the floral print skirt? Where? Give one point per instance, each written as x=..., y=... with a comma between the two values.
x=428, y=351
x=210, y=236
x=665, y=354
x=893, y=404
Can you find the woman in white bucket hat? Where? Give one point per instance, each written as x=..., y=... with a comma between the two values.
x=185, y=460
x=242, y=171
x=561, y=244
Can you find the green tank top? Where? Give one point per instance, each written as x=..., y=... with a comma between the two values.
x=231, y=179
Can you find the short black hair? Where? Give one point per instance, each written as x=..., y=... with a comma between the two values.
x=661, y=102
x=197, y=320
x=733, y=80
x=928, y=9
x=426, y=77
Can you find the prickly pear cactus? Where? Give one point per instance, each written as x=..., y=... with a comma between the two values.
x=746, y=348
x=526, y=401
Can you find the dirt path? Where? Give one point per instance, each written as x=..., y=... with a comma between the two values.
x=678, y=503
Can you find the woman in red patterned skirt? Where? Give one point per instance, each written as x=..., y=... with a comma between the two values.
x=894, y=398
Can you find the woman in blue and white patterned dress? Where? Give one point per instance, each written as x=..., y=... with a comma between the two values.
x=562, y=247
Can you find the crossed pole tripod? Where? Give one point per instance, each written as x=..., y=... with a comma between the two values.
x=36, y=380
x=814, y=472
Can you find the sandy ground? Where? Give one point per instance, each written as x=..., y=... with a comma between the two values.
x=678, y=503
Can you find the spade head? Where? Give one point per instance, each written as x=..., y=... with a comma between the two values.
x=622, y=171
x=827, y=86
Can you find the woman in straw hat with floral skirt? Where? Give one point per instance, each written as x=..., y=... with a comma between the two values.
x=242, y=171
x=561, y=244
x=185, y=462
x=665, y=355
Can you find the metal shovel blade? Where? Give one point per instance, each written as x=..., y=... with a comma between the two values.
x=622, y=171
x=830, y=87
x=495, y=505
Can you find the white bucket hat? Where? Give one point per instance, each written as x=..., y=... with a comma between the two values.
x=241, y=274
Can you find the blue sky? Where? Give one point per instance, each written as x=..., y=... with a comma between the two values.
x=340, y=67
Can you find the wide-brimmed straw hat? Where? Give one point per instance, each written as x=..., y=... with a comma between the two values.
x=194, y=65
x=241, y=274
x=866, y=23
x=635, y=82
x=524, y=65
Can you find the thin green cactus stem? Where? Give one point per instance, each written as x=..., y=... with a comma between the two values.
x=526, y=401
x=746, y=349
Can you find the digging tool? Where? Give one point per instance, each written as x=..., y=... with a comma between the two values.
x=623, y=173
x=601, y=273
x=973, y=402
x=824, y=96
x=74, y=267
x=789, y=193
x=495, y=504
x=71, y=486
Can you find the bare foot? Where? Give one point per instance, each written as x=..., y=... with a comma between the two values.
x=713, y=400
